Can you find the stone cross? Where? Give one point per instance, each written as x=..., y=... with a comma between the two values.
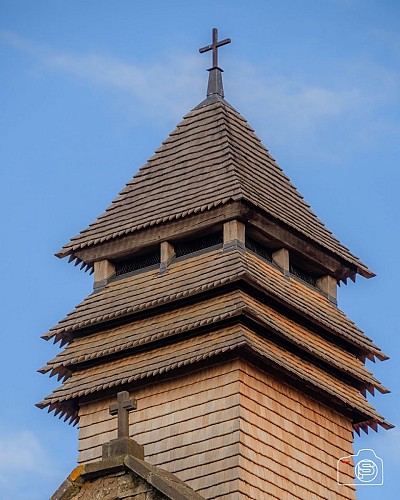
x=122, y=408
x=214, y=46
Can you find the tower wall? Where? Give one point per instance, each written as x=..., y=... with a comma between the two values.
x=231, y=429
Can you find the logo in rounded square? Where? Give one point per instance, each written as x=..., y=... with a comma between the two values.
x=363, y=469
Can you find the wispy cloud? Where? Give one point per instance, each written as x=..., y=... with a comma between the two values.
x=288, y=108
x=20, y=450
x=349, y=110
x=303, y=103
x=158, y=89
x=22, y=455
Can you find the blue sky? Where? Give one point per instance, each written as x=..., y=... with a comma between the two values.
x=88, y=92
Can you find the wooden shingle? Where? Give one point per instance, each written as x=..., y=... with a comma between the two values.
x=194, y=428
x=212, y=157
x=172, y=324
x=190, y=277
x=186, y=352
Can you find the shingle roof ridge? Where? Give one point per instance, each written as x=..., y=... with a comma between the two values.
x=233, y=170
x=335, y=356
x=308, y=302
x=263, y=153
x=75, y=320
x=232, y=302
x=120, y=215
x=142, y=172
x=229, y=331
x=356, y=400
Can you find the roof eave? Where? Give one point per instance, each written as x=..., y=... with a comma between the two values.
x=349, y=268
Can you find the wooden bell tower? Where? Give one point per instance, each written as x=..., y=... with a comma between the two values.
x=215, y=307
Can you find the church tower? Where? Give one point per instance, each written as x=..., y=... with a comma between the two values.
x=215, y=308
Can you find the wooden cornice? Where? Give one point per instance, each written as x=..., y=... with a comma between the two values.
x=320, y=259
x=182, y=228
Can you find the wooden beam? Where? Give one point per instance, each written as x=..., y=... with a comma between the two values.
x=167, y=251
x=328, y=285
x=272, y=229
x=103, y=269
x=281, y=259
x=234, y=234
x=181, y=228
x=321, y=258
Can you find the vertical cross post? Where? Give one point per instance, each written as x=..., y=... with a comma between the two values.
x=122, y=408
x=215, y=46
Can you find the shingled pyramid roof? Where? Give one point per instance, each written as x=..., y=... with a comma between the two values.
x=211, y=158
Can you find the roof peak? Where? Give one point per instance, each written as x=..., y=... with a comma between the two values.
x=215, y=85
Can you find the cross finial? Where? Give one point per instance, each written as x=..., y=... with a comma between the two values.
x=121, y=408
x=214, y=47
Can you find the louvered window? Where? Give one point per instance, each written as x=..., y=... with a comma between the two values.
x=259, y=249
x=197, y=244
x=139, y=262
x=303, y=275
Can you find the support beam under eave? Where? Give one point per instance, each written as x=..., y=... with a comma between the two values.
x=234, y=235
x=328, y=285
x=103, y=270
x=167, y=253
x=281, y=259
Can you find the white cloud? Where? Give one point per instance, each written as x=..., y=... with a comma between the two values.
x=20, y=452
x=288, y=108
x=158, y=89
x=302, y=103
x=26, y=466
x=350, y=110
x=32, y=466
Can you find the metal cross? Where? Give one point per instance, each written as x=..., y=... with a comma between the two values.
x=214, y=46
x=121, y=408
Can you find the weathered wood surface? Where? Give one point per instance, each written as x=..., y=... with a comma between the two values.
x=281, y=258
x=212, y=158
x=145, y=290
x=286, y=435
x=167, y=252
x=173, y=324
x=328, y=284
x=208, y=271
x=103, y=269
x=189, y=351
x=306, y=301
x=181, y=228
x=234, y=231
x=232, y=429
x=269, y=227
x=146, y=330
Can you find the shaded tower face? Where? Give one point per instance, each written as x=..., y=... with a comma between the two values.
x=215, y=304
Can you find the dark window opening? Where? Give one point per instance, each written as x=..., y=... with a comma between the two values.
x=197, y=244
x=303, y=275
x=138, y=262
x=259, y=249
